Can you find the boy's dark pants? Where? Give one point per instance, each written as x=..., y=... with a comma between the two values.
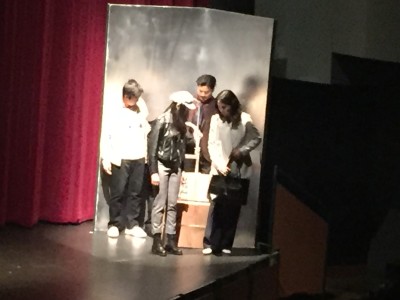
x=129, y=176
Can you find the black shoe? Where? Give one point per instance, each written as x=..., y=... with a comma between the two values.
x=171, y=246
x=157, y=247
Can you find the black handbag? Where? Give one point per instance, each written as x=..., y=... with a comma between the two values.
x=232, y=187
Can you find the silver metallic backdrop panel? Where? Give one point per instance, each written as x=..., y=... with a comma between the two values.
x=165, y=49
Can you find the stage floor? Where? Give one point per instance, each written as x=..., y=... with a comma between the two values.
x=73, y=262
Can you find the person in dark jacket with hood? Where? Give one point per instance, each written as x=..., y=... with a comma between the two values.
x=166, y=155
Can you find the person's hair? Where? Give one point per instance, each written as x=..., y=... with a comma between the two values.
x=227, y=97
x=132, y=89
x=179, y=116
x=207, y=80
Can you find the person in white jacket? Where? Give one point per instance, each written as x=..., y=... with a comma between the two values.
x=123, y=157
x=231, y=138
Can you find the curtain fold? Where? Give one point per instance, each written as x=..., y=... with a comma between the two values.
x=51, y=82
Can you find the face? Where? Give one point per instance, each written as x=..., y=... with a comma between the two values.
x=129, y=102
x=203, y=93
x=224, y=109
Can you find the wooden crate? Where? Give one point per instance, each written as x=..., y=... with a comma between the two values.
x=191, y=223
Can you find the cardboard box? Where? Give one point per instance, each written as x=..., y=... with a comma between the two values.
x=191, y=223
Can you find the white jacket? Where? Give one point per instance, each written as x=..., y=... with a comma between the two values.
x=125, y=137
x=223, y=139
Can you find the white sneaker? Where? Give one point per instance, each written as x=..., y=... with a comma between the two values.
x=227, y=251
x=207, y=251
x=136, y=231
x=113, y=232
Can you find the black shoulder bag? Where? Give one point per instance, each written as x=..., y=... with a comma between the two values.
x=232, y=187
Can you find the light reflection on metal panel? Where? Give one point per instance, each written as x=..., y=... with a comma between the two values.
x=166, y=48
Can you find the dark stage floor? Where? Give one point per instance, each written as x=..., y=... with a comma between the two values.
x=71, y=262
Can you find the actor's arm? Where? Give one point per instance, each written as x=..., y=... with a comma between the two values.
x=251, y=138
x=152, y=146
x=106, y=145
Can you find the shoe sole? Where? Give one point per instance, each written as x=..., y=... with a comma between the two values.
x=113, y=236
x=174, y=253
x=135, y=235
x=140, y=236
x=159, y=254
x=170, y=251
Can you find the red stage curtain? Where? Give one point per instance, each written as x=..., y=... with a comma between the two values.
x=51, y=81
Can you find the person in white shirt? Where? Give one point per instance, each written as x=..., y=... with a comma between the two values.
x=231, y=138
x=123, y=157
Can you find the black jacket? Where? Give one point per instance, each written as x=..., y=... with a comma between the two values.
x=165, y=144
x=209, y=108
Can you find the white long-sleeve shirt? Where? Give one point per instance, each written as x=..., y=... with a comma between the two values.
x=125, y=136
